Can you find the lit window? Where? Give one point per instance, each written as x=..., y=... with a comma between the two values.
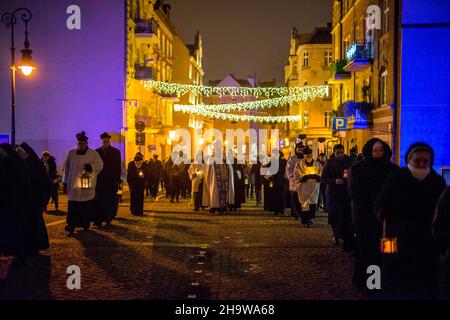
x=386, y=15
x=326, y=118
x=305, y=119
x=383, y=88
x=305, y=58
x=328, y=58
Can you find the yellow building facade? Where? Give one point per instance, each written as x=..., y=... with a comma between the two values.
x=155, y=52
x=362, y=70
x=309, y=62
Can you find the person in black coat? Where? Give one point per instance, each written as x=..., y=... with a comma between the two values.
x=108, y=182
x=14, y=190
x=155, y=171
x=406, y=205
x=136, y=178
x=334, y=176
x=49, y=163
x=441, y=233
x=239, y=185
x=258, y=180
x=365, y=182
x=274, y=186
x=34, y=230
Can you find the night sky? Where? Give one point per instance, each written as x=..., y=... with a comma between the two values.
x=247, y=37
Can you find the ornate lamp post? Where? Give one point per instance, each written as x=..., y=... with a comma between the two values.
x=26, y=65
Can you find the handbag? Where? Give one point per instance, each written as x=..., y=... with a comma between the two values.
x=388, y=245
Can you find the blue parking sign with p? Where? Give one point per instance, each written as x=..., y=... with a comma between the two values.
x=339, y=123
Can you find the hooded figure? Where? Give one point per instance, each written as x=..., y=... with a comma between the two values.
x=14, y=190
x=406, y=206
x=34, y=230
x=365, y=182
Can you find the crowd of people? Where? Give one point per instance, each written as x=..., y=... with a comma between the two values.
x=369, y=200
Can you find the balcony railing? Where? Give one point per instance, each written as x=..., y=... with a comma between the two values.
x=358, y=113
x=359, y=56
x=143, y=73
x=337, y=70
x=145, y=27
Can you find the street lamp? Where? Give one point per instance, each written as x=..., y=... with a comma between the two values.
x=26, y=65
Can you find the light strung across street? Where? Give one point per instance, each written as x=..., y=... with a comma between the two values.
x=181, y=89
x=310, y=93
x=202, y=111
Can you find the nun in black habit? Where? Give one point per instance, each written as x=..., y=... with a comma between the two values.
x=366, y=179
x=34, y=230
x=14, y=186
x=407, y=204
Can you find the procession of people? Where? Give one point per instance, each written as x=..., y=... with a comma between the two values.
x=371, y=204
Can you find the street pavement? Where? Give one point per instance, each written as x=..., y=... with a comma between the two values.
x=175, y=253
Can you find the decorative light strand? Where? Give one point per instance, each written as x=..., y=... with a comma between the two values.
x=309, y=93
x=200, y=110
x=269, y=92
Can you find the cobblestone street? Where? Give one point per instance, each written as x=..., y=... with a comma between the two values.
x=174, y=253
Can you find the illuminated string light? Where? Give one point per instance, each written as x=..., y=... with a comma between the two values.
x=309, y=93
x=269, y=92
x=202, y=111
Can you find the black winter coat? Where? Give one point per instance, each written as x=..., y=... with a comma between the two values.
x=336, y=194
x=408, y=205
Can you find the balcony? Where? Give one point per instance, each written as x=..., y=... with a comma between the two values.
x=143, y=72
x=145, y=31
x=359, y=57
x=358, y=114
x=338, y=72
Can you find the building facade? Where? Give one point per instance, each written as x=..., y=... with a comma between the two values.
x=363, y=68
x=309, y=62
x=222, y=125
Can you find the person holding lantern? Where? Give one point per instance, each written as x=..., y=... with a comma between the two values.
x=405, y=207
x=136, y=178
x=365, y=181
x=335, y=178
x=80, y=177
x=307, y=176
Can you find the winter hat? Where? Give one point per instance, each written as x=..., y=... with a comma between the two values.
x=419, y=146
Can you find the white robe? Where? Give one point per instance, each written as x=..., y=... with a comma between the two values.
x=73, y=170
x=308, y=191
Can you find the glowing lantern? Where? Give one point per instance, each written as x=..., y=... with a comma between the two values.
x=85, y=181
x=389, y=245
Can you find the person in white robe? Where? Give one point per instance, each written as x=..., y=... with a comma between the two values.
x=81, y=168
x=307, y=176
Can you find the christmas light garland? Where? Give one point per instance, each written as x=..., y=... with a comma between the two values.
x=201, y=110
x=269, y=92
x=309, y=93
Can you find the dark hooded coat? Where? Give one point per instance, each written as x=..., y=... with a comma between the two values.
x=366, y=179
x=14, y=189
x=35, y=232
x=407, y=205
